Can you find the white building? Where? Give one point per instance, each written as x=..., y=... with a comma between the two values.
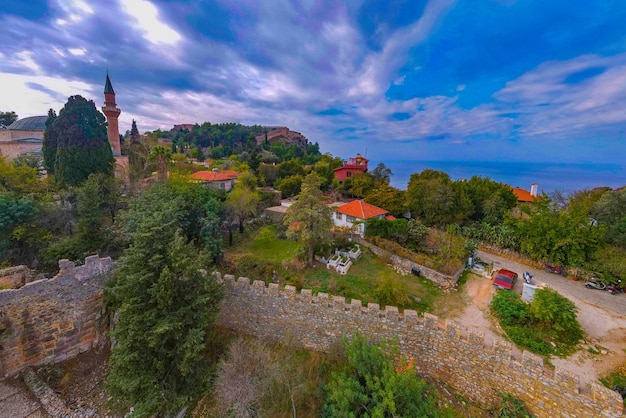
x=354, y=214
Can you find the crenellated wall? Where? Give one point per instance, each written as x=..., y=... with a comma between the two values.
x=14, y=277
x=54, y=319
x=440, y=349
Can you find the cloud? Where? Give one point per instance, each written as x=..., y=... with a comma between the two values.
x=146, y=17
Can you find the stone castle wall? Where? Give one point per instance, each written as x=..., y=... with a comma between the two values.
x=440, y=349
x=54, y=319
x=14, y=277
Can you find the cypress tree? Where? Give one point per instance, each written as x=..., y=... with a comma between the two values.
x=82, y=147
x=50, y=140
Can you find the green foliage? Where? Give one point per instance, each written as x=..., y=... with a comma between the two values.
x=7, y=118
x=97, y=204
x=82, y=147
x=546, y=326
x=558, y=235
x=387, y=197
x=14, y=211
x=382, y=174
x=503, y=236
x=511, y=407
x=165, y=306
x=308, y=218
x=610, y=211
x=361, y=184
x=390, y=292
x=491, y=200
x=377, y=383
x=436, y=200
x=18, y=178
x=289, y=186
x=557, y=313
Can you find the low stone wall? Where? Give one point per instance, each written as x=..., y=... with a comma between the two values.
x=444, y=281
x=55, y=319
x=14, y=277
x=440, y=349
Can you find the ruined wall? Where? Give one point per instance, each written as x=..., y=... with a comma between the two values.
x=14, y=277
x=439, y=348
x=444, y=281
x=55, y=319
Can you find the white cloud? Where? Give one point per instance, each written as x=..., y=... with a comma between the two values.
x=25, y=59
x=75, y=10
x=77, y=52
x=146, y=16
x=19, y=95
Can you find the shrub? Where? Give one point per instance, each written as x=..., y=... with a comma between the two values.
x=511, y=407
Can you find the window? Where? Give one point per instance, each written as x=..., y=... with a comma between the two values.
x=350, y=218
x=348, y=173
x=338, y=215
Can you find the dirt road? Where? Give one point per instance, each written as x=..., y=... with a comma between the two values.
x=600, y=315
x=576, y=291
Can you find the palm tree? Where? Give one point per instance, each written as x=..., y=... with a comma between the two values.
x=161, y=156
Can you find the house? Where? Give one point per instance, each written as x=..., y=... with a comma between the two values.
x=354, y=214
x=351, y=167
x=219, y=179
x=524, y=197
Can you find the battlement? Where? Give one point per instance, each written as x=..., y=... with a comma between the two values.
x=441, y=348
x=53, y=319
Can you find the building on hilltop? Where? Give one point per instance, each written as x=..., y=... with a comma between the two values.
x=351, y=167
x=24, y=136
x=524, y=197
x=353, y=215
x=282, y=134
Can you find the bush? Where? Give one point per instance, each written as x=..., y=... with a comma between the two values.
x=511, y=407
x=546, y=326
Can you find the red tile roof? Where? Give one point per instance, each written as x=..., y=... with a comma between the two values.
x=215, y=175
x=390, y=218
x=360, y=209
x=522, y=195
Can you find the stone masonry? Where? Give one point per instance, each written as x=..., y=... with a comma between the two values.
x=55, y=319
x=440, y=349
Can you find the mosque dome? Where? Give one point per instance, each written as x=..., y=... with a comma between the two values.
x=33, y=123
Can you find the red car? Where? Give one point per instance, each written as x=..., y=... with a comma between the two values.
x=504, y=279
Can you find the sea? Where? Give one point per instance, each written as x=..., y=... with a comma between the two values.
x=550, y=177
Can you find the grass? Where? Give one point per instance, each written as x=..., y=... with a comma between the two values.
x=615, y=378
x=370, y=278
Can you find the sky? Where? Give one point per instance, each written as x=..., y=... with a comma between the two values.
x=441, y=80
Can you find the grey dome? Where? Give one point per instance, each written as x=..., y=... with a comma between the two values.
x=33, y=123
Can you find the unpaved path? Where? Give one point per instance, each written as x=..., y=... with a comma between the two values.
x=605, y=330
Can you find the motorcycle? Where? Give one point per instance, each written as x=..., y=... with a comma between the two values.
x=616, y=288
x=595, y=284
x=527, y=277
x=554, y=269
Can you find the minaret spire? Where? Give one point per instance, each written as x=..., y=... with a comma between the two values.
x=112, y=112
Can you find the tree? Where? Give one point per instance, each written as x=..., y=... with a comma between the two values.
x=7, y=118
x=382, y=174
x=244, y=203
x=387, y=197
x=50, y=142
x=308, y=218
x=82, y=144
x=361, y=184
x=161, y=156
x=559, y=236
x=377, y=382
x=436, y=200
x=165, y=307
x=610, y=211
x=290, y=186
x=491, y=200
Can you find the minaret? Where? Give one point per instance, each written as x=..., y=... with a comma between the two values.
x=112, y=112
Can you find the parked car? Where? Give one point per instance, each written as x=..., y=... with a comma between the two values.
x=554, y=269
x=504, y=279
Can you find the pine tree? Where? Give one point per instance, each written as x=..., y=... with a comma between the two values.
x=165, y=307
x=308, y=218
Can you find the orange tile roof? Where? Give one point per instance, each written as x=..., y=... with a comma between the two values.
x=360, y=209
x=522, y=195
x=215, y=175
x=390, y=218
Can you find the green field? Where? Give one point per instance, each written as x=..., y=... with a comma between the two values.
x=370, y=279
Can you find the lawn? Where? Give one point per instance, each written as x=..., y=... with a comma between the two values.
x=370, y=279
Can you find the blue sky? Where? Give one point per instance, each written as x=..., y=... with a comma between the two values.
x=429, y=80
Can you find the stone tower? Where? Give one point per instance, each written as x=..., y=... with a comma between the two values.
x=112, y=112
